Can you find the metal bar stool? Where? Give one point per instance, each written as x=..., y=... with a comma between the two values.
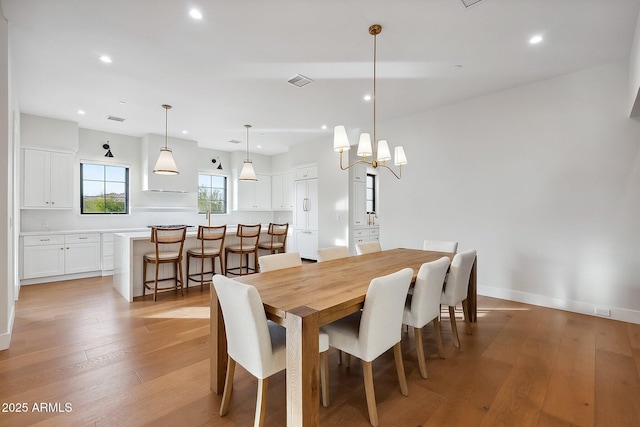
x=169, y=242
x=211, y=239
x=277, y=238
x=248, y=236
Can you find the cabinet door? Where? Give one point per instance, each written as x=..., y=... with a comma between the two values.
x=299, y=212
x=246, y=194
x=359, y=203
x=82, y=257
x=312, y=204
x=307, y=244
x=263, y=193
x=35, y=191
x=43, y=261
x=360, y=172
x=287, y=191
x=277, y=196
x=61, y=180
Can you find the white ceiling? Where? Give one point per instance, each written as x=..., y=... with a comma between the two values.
x=231, y=68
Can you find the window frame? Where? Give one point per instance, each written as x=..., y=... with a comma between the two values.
x=225, y=192
x=127, y=182
x=370, y=177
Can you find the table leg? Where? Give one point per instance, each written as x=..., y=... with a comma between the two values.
x=303, y=375
x=217, y=344
x=472, y=294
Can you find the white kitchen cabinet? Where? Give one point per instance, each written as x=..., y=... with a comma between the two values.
x=282, y=192
x=254, y=195
x=107, y=253
x=367, y=234
x=47, y=180
x=306, y=172
x=359, y=203
x=359, y=172
x=305, y=218
x=55, y=255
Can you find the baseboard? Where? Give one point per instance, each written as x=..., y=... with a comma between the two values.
x=5, y=339
x=617, y=313
x=36, y=281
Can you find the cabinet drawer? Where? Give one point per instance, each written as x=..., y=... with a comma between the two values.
x=360, y=233
x=305, y=173
x=374, y=232
x=44, y=240
x=82, y=238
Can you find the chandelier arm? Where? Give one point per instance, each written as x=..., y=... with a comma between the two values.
x=352, y=164
x=392, y=171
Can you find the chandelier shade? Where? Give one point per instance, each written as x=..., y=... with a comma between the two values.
x=165, y=165
x=247, y=173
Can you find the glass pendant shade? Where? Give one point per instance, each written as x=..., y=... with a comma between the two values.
x=383, y=151
x=364, y=146
x=247, y=173
x=165, y=164
x=340, y=140
x=401, y=158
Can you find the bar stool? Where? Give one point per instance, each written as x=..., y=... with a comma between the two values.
x=211, y=240
x=248, y=236
x=169, y=242
x=277, y=238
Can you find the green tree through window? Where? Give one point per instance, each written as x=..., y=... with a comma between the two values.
x=212, y=194
x=104, y=189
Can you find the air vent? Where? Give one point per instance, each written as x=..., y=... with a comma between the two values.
x=115, y=119
x=235, y=141
x=469, y=3
x=299, y=80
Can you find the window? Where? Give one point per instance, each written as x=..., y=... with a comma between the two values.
x=212, y=194
x=371, y=193
x=104, y=189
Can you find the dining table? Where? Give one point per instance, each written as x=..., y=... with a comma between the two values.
x=303, y=299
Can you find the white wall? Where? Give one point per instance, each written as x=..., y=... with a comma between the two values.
x=634, y=73
x=543, y=180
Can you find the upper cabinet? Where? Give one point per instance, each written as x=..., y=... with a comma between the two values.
x=47, y=180
x=305, y=172
x=254, y=195
x=359, y=172
x=282, y=192
x=185, y=153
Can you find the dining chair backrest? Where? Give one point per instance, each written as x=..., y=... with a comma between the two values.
x=248, y=235
x=367, y=247
x=248, y=338
x=279, y=261
x=455, y=289
x=381, y=322
x=425, y=302
x=212, y=233
x=440, y=246
x=334, y=252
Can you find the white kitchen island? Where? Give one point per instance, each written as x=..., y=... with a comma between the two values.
x=129, y=249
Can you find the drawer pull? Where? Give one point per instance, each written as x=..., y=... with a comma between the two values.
x=44, y=240
x=82, y=238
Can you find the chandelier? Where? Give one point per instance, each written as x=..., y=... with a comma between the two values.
x=379, y=150
x=165, y=164
x=247, y=173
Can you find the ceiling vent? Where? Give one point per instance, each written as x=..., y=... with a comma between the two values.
x=115, y=119
x=469, y=3
x=235, y=141
x=299, y=80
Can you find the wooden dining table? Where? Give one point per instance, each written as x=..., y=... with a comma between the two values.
x=303, y=299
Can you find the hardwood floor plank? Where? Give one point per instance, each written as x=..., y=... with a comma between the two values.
x=617, y=390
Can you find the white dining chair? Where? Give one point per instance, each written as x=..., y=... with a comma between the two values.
x=334, y=252
x=372, y=331
x=424, y=306
x=367, y=247
x=456, y=287
x=440, y=246
x=279, y=261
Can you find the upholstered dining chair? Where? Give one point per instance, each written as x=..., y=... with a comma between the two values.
x=248, y=237
x=168, y=242
x=424, y=305
x=277, y=241
x=375, y=329
x=334, y=252
x=279, y=261
x=456, y=287
x=440, y=246
x=254, y=342
x=210, y=246
x=367, y=247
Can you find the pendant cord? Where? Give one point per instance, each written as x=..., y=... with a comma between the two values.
x=375, y=37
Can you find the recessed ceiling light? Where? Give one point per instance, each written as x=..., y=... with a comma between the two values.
x=185, y=132
x=106, y=59
x=535, y=39
x=259, y=146
x=457, y=67
x=81, y=112
x=324, y=126
x=121, y=102
x=195, y=14
x=367, y=97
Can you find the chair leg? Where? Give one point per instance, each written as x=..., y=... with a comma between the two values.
x=228, y=386
x=155, y=289
x=261, y=404
x=324, y=377
x=369, y=391
x=226, y=261
x=202, y=260
x=144, y=277
x=467, y=323
x=188, y=269
x=454, y=327
x=436, y=331
x=402, y=379
x=181, y=273
x=422, y=364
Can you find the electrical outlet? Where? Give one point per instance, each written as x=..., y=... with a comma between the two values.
x=603, y=312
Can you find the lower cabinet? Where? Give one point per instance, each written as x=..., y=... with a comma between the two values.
x=55, y=255
x=307, y=243
x=361, y=235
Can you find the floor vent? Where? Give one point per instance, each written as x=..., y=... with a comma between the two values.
x=115, y=119
x=469, y=3
x=299, y=80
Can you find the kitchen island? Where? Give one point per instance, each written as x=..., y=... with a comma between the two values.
x=129, y=249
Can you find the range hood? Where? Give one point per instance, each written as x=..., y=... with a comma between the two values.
x=185, y=154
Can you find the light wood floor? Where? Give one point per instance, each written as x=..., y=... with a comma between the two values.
x=146, y=363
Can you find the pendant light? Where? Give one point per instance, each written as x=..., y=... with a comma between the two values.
x=247, y=173
x=379, y=149
x=165, y=164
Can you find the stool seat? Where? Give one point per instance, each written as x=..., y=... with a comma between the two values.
x=206, y=252
x=162, y=255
